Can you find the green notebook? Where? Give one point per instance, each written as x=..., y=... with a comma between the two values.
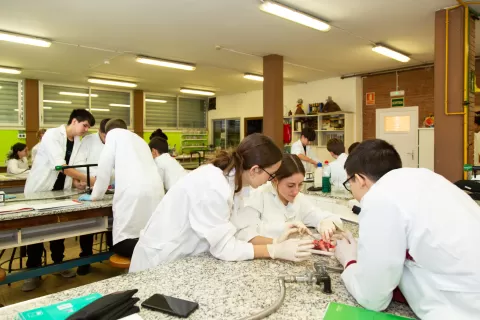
x=58, y=311
x=338, y=311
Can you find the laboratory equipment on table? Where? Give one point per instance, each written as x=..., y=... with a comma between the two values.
x=88, y=189
x=317, y=180
x=317, y=277
x=326, y=186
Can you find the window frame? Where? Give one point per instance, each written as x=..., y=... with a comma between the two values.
x=177, y=128
x=212, y=133
x=20, y=125
x=89, y=88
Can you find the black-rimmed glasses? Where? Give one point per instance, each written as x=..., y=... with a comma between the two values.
x=346, y=184
x=272, y=176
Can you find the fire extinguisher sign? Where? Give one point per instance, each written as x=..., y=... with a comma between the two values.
x=370, y=98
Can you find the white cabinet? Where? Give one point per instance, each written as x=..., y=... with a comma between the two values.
x=426, y=148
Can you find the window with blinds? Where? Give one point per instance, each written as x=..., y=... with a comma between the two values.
x=11, y=103
x=192, y=113
x=111, y=104
x=59, y=101
x=160, y=111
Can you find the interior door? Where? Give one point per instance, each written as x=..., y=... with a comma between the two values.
x=399, y=126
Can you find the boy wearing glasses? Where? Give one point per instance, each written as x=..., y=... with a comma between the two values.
x=417, y=232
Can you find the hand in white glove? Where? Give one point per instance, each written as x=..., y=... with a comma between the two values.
x=326, y=228
x=291, y=228
x=293, y=250
x=346, y=249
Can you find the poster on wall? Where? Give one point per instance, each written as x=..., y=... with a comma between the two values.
x=370, y=98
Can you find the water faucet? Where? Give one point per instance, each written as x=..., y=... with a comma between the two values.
x=317, y=277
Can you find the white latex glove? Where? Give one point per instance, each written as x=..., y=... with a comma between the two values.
x=326, y=228
x=293, y=250
x=291, y=228
x=346, y=249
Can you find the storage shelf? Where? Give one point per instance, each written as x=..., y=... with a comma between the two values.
x=189, y=147
x=194, y=134
x=194, y=139
x=333, y=130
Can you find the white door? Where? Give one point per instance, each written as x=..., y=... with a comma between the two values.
x=399, y=126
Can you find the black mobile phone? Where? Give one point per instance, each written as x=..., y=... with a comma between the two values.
x=171, y=305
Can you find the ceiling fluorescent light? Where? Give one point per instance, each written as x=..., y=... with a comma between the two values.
x=254, y=77
x=58, y=101
x=77, y=94
x=18, y=38
x=156, y=100
x=48, y=108
x=294, y=15
x=10, y=70
x=195, y=91
x=100, y=110
x=119, y=105
x=112, y=82
x=166, y=63
x=390, y=53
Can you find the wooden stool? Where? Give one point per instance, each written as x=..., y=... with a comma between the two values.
x=3, y=274
x=117, y=261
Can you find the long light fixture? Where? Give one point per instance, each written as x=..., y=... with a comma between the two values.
x=112, y=82
x=294, y=15
x=254, y=77
x=119, y=105
x=156, y=100
x=58, y=101
x=10, y=70
x=195, y=91
x=166, y=63
x=18, y=38
x=390, y=53
x=77, y=94
x=100, y=110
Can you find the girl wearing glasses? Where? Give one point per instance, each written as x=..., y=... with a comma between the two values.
x=273, y=206
x=194, y=216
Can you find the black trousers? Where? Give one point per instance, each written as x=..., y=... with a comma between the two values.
x=86, y=244
x=35, y=251
x=125, y=248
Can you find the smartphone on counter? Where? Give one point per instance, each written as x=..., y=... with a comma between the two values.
x=171, y=305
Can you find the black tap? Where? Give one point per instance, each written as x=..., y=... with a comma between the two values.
x=323, y=277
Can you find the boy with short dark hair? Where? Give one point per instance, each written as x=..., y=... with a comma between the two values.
x=302, y=149
x=337, y=151
x=418, y=232
x=169, y=169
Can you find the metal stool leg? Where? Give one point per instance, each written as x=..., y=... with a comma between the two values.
x=1, y=253
x=11, y=260
x=101, y=241
x=45, y=255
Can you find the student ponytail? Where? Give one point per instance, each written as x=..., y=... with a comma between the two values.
x=255, y=150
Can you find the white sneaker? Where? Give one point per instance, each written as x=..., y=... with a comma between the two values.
x=31, y=284
x=67, y=273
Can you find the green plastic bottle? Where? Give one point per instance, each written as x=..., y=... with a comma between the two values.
x=326, y=185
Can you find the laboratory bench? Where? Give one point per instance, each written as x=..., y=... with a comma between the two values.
x=49, y=221
x=12, y=183
x=224, y=290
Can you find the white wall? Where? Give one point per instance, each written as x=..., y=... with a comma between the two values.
x=348, y=93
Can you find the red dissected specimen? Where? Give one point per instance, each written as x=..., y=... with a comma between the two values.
x=322, y=245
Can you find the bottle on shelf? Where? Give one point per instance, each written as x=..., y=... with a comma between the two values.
x=318, y=176
x=326, y=185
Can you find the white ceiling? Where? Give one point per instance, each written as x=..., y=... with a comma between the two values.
x=189, y=30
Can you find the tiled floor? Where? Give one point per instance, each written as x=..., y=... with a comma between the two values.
x=52, y=283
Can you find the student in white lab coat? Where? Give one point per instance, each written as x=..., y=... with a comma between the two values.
x=418, y=231
x=194, y=216
x=17, y=161
x=337, y=167
x=40, y=134
x=274, y=205
x=138, y=186
x=303, y=150
x=59, y=147
x=476, y=141
x=89, y=153
x=169, y=169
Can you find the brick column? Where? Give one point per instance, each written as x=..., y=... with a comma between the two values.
x=138, y=112
x=31, y=112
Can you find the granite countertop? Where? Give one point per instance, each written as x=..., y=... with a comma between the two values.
x=224, y=290
x=52, y=196
x=332, y=195
x=13, y=177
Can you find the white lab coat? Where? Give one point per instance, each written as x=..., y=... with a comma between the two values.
x=419, y=211
x=34, y=151
x=265, y=214
x=338, y=175
x=51, y=153
x=193, y=217
x=476, y=148
x=17, y=166
x=170, y=170
x=89, y=153
x=297, y=148
x=138, y=187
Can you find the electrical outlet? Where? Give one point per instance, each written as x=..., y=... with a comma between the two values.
x=22, y=136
